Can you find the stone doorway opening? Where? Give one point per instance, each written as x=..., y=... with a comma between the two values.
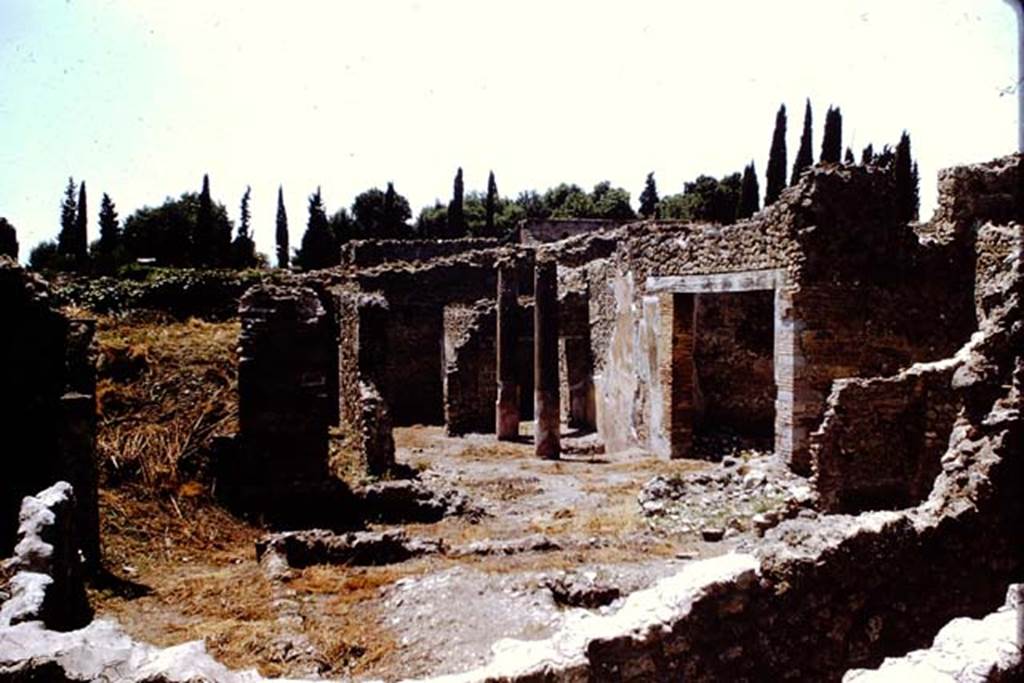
x=723, y=360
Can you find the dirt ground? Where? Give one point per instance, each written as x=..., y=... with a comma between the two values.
x=429, y=615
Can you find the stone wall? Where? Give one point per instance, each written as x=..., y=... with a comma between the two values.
x=369, y=253
x=362, y=367
x=856, y=294
x=539, y=231
x=47, y=405
x=470, y=384
x=287, y=389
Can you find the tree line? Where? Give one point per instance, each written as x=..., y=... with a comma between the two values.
x=194, y=230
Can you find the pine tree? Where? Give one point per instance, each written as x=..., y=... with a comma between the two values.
x=867, y=156
x=490, y=206
x=281, y=234
x=905, y=180
x=81, y=241
x=804, y=155
x=832, y=141
x=68, y=214
x=649, y=197
x=775, y=174
x=110, y=230
x=203, y=241
x=318, y=250
x=456, y=217
x=749, y=193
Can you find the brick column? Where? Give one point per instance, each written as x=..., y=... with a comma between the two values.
x=545, y=360
x=676, y=371
x=507, y=404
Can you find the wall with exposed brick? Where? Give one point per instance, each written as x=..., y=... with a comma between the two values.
x=470, y=380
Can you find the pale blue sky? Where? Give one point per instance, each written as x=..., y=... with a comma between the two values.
x=139, y=98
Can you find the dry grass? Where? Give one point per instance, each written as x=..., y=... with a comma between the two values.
x=165, y=389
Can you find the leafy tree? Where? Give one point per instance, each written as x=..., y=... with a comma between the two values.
x=456, y=217
x=490, y=206
x=432, y=222
x=610, y=202
x=80, y=245
x=343, y=226
x=649, y=197
x=46, y=256
x=8, y=239
x=318, y=250
x=867, y=156
x=804, y=155
x=848, y=157
x=832, y=141
x=243, y=249
x=704, y=199
x=381, y=215
x=281, y=232
x=68, y=215
x=775, y=174
x=533, y=205
x=749, y=203
x=165, y=232
x=905, y=178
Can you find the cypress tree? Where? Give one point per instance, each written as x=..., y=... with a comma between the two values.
x=749, y=193
x=110, y=231
x=649, y=197
x=318, y=249
x=804, y=155
x=81, y=241
x=848, y=157
x=68, y=214
x=775, y=174
x=490, y=206
x=203, y=242
x=832, y=141
x=391, y=224
x=243, y=249
x=868, y=155
x=905, y=180
x=456, y=216
x=281, y=234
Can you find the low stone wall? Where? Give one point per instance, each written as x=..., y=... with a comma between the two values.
x=966, y=650
x=881, y=440
x=47, y=584
x=533, y=232
x=369, y=253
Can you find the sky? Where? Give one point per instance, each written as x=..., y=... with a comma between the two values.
x=140, y=98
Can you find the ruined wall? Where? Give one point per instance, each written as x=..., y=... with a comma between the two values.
x=47, y=405
x=369, y=253
x=287, y=389
x=470, y=385
x=538, y=231
x=859, y=295
x=362, y=366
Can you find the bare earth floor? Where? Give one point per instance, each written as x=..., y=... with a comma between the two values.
x=429, y=615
